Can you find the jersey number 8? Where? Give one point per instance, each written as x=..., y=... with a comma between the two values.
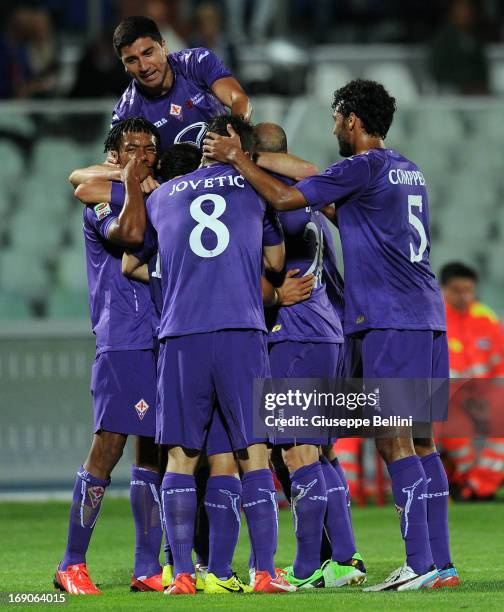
x=208, y=221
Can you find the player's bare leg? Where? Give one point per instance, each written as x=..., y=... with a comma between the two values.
x=437, y=510
x=146, y=508
x=409, y=487
x=90, y=484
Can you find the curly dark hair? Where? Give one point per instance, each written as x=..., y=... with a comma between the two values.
x=370, y=101
x=113, y=140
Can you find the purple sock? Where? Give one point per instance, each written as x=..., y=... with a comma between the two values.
x=336, y=465
x=337, y=521
x=146, y=509
x=409, y=486
x=261, y=512
x=178, y=494
x=223, y=504
x=87, y=497
x=309, y=504
x=437, y=509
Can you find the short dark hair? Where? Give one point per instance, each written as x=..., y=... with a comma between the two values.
x=113, y=140
x=270, y=137
x=179, y=159
x=370, y=101
x=243, y=128
x=456, y=269
x=132, y=28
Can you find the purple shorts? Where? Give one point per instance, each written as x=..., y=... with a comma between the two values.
x=123, y=385
x=410, y=355
x=196, y=369
x=304, y=360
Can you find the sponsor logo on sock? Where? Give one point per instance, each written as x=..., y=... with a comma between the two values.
x=234, y=499
x=272, y=496
x=141, y=407
x=410, y=492
x=295, y=499
x=95, y=495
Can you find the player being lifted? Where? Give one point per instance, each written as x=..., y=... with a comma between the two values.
x=177, y=92
x=305, y=341
x=211, y=227
x=124, y=374
x=392, y=301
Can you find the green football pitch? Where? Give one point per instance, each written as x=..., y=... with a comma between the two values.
x=32, y=538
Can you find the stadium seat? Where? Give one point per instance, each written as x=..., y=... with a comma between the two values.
x=497, y=77
x=72, y=269
x=35, y=233
x=13, y=163
x=268, y=108
x=326, y=78
x=17, y=123
x=13, y=307
x=438, y=127
x=63, y=304
x=396, y=78
x=57, y=157
x=42, y=192
x=444, y=251
x=23, y=274
x=74, y=225
x=464, y=222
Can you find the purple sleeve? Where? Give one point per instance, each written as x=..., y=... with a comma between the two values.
x=118, y=194
x=206, y=67
x=338, y=184
x=149, y=246
x=101, y=216
x=272, y=229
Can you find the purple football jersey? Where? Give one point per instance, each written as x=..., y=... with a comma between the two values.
x=330, y=273
x=181, y=114
x=211, y=227
x=313, y=320
x=121, y=309
x=383, y=217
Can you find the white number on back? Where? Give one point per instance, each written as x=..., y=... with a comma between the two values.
x=318, y=261
x=416, y=201
x=211, y=222
x=157, y=272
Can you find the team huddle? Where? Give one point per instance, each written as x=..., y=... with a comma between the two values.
x=210, y=265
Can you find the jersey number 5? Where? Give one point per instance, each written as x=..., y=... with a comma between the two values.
x=208, y=221
x=416, y=201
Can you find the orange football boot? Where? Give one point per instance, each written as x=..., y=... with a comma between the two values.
x=144, y=584
x=183, y=584
x=264, y=583
x=75, y=580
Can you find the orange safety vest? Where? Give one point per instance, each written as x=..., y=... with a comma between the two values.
x=475, y=341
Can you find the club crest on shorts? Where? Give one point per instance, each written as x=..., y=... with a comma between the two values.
x=95, y=495
x=141, y=407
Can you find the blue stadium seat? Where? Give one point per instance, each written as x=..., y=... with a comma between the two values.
x=23, y=274
x=14, y=307
x=64, y=304
x=71, y=265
